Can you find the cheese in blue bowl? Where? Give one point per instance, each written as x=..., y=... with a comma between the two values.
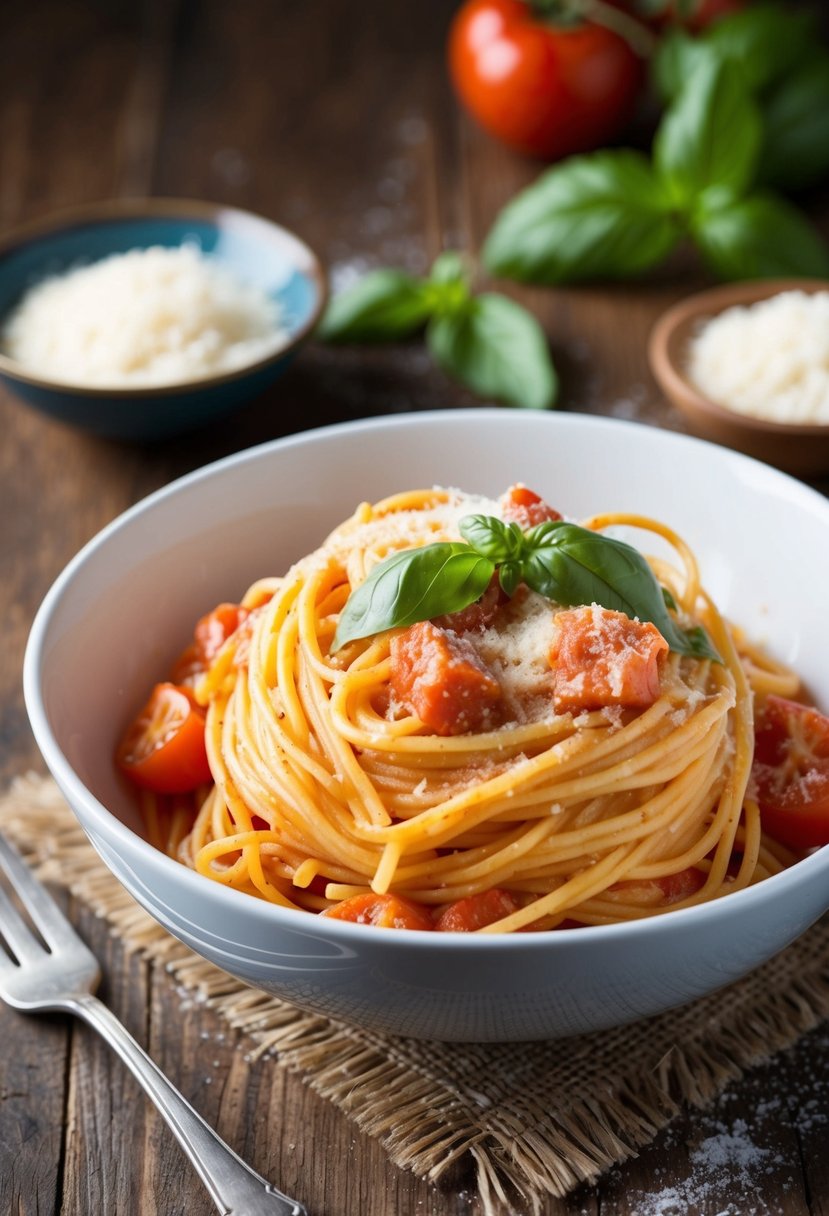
x=141, y=319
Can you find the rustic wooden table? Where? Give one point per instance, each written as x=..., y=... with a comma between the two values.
x=339, y=123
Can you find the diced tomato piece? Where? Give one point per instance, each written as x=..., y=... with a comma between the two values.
x=605, y=658
x=476, y=911
x=790, y=774
x=526, y=508
x=439, y=677
x=385, y=911
x=163, y=750
x=213, y=630
x=478, y=616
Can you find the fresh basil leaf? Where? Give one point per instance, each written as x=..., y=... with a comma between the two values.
x=796, y=126
x=412, y=586
x=761, y=237
x=604, y=215
x=447, y=288
x=494, y=538
x=448, y=267
x=697, y=642
x=497, y=349
x=382, y=306
x=575, y=566
x=509, y=576
x=676, y=59
x=670, y=602
x=767, y=40
x=710, y=135
x=540, y=534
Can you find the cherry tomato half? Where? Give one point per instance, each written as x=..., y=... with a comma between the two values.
x=791, y=773
x=545, y=89
x=163, y=750
x=213, y=630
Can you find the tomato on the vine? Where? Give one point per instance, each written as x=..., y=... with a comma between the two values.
x=791, y=773
x=543, y=88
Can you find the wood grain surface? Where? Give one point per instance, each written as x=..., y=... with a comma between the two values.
x=337, y=121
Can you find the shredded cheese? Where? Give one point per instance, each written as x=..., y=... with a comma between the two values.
x=769, y=360
x=142, y=318
x=517, y=652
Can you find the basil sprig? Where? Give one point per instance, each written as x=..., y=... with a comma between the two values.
x=567, y=564
x=488, y=342
x=779, y=58
x=616, y=213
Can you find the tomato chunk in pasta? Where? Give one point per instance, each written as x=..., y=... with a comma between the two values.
x=438, y=676
x=526, y=508
x=478, y=615
x=604, y=658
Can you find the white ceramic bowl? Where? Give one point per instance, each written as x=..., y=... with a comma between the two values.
x=126, y=604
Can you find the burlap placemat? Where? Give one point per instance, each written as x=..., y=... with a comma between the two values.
x=537, y=1119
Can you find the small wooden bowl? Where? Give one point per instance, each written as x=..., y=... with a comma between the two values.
x=798, y=448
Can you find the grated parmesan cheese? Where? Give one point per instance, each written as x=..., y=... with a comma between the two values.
x=517, y=652
x=142, y=318
x=769, y=360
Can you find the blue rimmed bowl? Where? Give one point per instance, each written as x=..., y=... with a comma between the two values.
x=251, y=247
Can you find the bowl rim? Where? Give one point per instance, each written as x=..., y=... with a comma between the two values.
x=675, y=382
x=150, y=208
x=298, y=920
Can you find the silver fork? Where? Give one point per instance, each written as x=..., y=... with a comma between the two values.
x=64, y=976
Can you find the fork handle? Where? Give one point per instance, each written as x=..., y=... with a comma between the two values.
x=235, y=1189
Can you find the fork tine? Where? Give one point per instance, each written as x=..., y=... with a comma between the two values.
x=16, y=933
x=52, y=924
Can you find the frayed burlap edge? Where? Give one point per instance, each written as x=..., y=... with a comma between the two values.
x=521, y=1147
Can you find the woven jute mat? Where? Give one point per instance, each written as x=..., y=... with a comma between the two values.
x=537, y=1119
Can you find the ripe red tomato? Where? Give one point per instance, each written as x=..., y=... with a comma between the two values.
x=163, y=750
x=545, y=89
x=791, y=773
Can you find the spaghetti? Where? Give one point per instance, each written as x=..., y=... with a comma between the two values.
x=326, y=787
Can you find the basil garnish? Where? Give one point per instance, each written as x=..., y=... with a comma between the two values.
x=412, y=586
x=568, y=564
